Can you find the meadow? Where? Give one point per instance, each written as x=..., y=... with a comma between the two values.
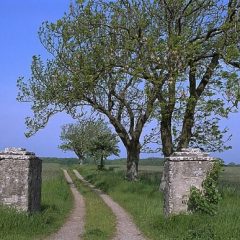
x=144, y=202
x=141, y=199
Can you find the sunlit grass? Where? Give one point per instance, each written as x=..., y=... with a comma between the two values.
x=145, y=203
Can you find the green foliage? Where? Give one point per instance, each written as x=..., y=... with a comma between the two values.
x=77, y=137
x=89, y=138
x=103, y=144
x=92, y=68
x=207, y=199
x=132, y=61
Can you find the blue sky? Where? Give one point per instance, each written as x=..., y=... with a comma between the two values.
x=19, y=23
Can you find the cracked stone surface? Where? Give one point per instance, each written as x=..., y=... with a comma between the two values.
x=20, y=179
x=183, y=170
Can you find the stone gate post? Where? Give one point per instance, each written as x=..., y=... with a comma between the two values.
x=20, y=179
x=182, y=170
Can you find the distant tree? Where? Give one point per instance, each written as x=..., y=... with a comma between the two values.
x=232, y=164
x=89, y=138
x=76, y=137
x=104, y=144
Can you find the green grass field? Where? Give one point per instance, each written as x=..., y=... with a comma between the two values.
x=56, y=205
x=143, y=200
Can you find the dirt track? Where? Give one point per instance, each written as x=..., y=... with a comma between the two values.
x=126, y=229
x=74, y=226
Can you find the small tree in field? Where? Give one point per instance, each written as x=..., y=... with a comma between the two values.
x=104, y=145
x=89, y=138
x=77, y=137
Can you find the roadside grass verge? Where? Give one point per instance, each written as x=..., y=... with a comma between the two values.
x=99, y=221
x=144, y=202
x=56, y=205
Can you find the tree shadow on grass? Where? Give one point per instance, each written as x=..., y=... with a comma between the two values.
x=49, y=207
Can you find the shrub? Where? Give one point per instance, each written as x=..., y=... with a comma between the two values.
x=206, y=200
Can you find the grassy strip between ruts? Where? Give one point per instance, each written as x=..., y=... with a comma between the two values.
x=145, y=203
x=99, y=221
x=56, y=205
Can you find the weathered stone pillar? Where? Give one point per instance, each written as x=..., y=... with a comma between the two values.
x=20, y=179
x=182, y=170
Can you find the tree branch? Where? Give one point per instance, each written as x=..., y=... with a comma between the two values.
x=208, y=74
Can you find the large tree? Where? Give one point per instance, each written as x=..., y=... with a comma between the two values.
x=129, y=58
x=98, y=62
x=202, y=61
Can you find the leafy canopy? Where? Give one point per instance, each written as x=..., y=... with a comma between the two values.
x=89, y=138
x=127, y=58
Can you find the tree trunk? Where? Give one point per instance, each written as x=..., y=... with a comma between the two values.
x=167, y=144
x=101, y=166
x=80, y=157
x=133, y=153
x=166, y=136
x=188, y=123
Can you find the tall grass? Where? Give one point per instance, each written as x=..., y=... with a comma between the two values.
x=143, y=200
x=56, y=204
